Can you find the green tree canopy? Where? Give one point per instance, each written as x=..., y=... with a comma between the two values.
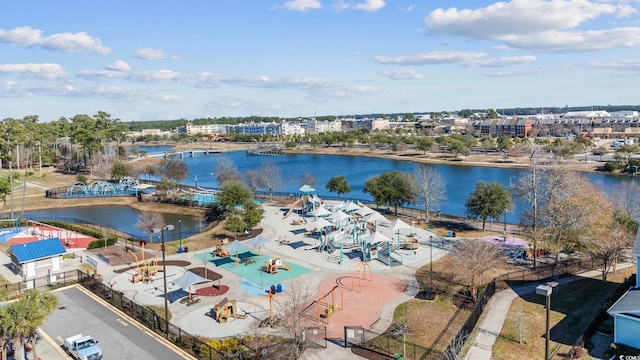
x=338, y=184
x=489, y=200
x=392, y=188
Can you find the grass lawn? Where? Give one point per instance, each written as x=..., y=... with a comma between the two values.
x=573, y=307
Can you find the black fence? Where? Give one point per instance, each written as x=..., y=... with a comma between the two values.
x=50, y=281
x=565, y=268
x=194, y=345
x=393, y=345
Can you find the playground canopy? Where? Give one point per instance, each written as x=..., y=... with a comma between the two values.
x=307, y=189
x=258, y=241
x=320, y=223
x=340, y=216
x=376, y=237
x=321, y=211
x=398, y=225
x=351, y=206
x=188, y=280
x=375, y=217
x=365, y=210
x=235, y=247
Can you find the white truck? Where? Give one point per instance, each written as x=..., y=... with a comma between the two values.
x=83, y=347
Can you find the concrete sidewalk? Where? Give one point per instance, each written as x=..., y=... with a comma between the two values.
x=498, y=308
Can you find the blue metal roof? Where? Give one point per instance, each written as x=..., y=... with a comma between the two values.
x=36, y=250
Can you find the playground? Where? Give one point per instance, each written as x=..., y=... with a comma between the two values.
x=34, y=231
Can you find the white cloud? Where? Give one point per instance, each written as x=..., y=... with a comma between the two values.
x=624, y=65
x=118, y=66
x=67, y=42
x=402, y=74
x=148, y=76
x=471, y=59
x=302, y=5
x=148, y=53
x=45, y=70
x=518, y=17
x=501, y=61
x=578, y=41
x=370, y=5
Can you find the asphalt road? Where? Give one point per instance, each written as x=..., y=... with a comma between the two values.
x=118, y=337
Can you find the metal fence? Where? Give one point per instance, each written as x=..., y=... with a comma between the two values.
x=392, y=345
x=194, y=345
x=567, y=267
x=49, y=281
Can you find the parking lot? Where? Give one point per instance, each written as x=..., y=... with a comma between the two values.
x=118, y=337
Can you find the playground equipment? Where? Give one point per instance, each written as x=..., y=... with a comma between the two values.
x=298, y=202
x=271, y=296
x=222, y=252
x=224, y=310
x=361, y=274
x=327, y=304
x=146, y=270
x=272, y=265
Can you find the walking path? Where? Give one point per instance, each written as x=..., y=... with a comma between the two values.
x=498, y=308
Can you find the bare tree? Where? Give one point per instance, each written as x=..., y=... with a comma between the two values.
x=431, y=187
x=572, y=211
x=269, y=177
x=607, y=248
x=147, y=221
x=308, y=178
x=476, y=257
x=225, y=170
x=528, y=188
x=625, y=198
x=295, y=321
x=520, y=321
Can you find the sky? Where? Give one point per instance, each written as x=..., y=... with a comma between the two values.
x=164, y=60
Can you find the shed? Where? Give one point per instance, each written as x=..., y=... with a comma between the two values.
x=31, y=256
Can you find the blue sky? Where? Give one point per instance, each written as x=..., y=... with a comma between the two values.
x=143, y=60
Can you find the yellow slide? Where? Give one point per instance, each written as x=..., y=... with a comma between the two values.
x=284, y=266
x=296, y=203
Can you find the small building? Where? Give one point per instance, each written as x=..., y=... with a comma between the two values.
x=626, y=311
x=37, y=256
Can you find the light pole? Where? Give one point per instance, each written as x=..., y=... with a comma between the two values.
x=504, y=232
x=431, y=259
x=164, y=276
x=180, y=234
x=546, y=290
x=196, y=182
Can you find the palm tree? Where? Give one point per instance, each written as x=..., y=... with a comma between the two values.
x=25, y=316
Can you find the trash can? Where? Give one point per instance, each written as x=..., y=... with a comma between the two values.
x=186, y=249
x=279, y=288
x=449, y=234
x=179, y=250
x=453, y=234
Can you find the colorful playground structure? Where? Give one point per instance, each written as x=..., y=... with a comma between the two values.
x=145, y=270
x=225, y=310
x=272, y=265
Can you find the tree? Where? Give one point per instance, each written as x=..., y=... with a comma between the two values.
x=295, y=321
x=338, y=184
x=25, y=316
x=624, y=198
x=233, y=193
x=476, y=257
x=307, y=178
x=148, y=221
x=489, y=200
x=4, y=189
x=529, y=188
x=609, y=246
x=571, y=211
x=392, y=188
x=120, y=170
x=431, y=187
x=174, y=170
x=269, y=177
x=235, y=224
x=225, y=170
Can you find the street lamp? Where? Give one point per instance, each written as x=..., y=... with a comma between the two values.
x=180, y=234
x=431, y=259
x=546, y=290
x=164, y=275
x=504, y=232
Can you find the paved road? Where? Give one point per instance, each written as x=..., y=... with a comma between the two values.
x=118, y=337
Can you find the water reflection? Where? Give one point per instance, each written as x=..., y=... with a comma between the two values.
x=119, y=217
